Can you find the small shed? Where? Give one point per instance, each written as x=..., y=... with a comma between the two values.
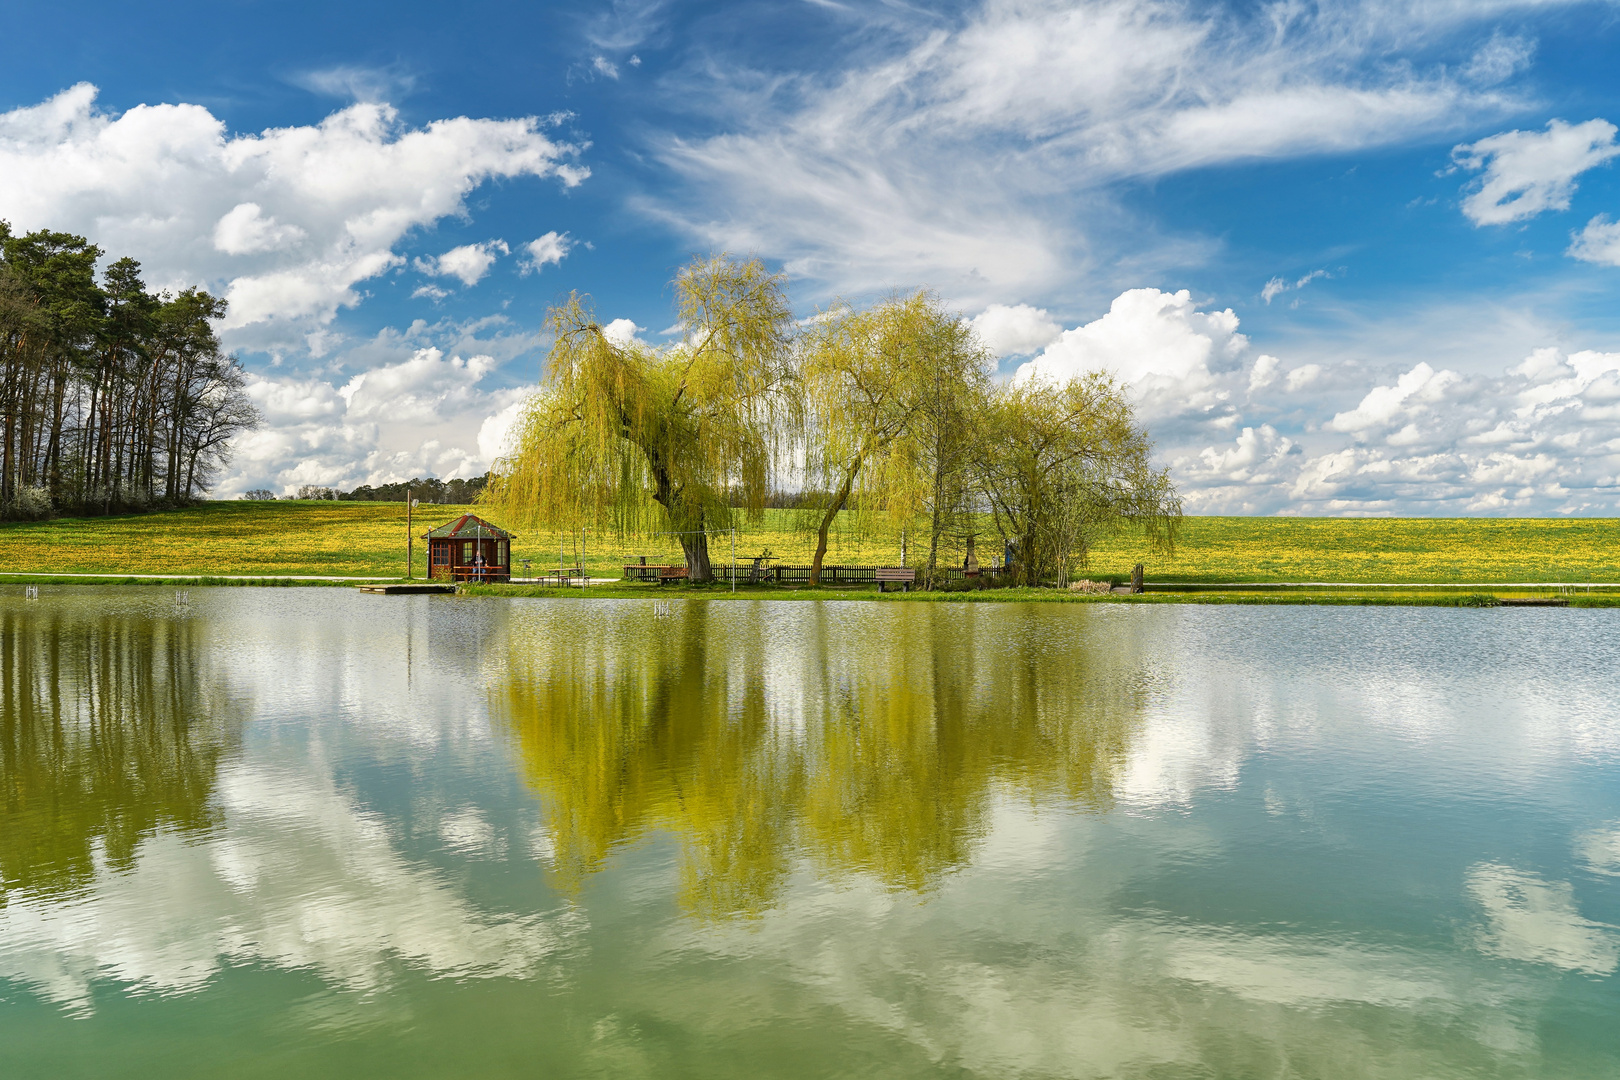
x=469, y=549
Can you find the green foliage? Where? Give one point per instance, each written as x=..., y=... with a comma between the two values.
x=877, y=412
x=432, y=490
x=875, y=385
x=111, y=397
x=633, y=439
x=1062, y=466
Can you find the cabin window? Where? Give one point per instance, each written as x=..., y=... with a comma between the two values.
x=466, y=552
x=441, y=554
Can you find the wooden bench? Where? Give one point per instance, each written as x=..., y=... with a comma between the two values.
x=672, y=573
x=903, y=576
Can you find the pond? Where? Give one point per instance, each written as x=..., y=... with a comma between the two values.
x=260, y=832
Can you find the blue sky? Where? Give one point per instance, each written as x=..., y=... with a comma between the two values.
x=1350, y=259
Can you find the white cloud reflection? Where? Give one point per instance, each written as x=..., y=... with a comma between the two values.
x=1529, y=918
x=298, y=877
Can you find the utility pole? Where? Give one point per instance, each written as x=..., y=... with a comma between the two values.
x=410, y=537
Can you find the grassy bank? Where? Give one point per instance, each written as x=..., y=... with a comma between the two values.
x=280, y=539
x=178, y=581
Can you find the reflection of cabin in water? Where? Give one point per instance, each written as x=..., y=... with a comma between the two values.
x=469, y=549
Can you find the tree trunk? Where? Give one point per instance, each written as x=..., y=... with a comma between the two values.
x=688, y=525
x=698, y=568
x=826, y=522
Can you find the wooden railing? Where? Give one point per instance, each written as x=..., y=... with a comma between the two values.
x=474, y=573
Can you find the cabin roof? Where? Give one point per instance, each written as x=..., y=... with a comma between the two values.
x=468, y=527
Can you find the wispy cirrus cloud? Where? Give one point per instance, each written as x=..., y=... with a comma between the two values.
x=983, y=153
x=358, y=82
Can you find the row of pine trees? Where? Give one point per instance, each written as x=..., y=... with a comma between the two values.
x=112, y=397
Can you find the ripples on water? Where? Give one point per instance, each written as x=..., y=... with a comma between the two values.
x=318, y=832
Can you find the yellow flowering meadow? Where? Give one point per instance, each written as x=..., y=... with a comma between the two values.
x=362, y=539
x=1399, y=550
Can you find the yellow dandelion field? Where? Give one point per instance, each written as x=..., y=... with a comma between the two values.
x=368, y=540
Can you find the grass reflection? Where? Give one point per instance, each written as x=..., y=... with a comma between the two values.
x=105, y=736
x=862, y=741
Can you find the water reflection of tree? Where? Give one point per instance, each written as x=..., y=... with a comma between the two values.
x=873, y=743
x=107, y=732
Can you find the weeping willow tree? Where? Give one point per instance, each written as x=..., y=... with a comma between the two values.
x=632, y=438
x=1062, y=464
x=876, y=385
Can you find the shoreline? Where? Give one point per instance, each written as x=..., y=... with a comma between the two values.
x=1320, y=594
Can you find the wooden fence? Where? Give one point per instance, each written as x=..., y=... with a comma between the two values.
x=748, y=573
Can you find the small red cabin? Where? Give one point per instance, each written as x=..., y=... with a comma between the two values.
x=469, y=549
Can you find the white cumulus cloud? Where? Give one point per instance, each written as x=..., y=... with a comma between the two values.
x=550, y=249
x=469, y=262
x=1527, y=172
x=416, y=410
x=622, y=331
x=244, y=230
x=1170, y=353
x=286, y=222
x=1599, y=242
x=1016, y=330
x=1413, y=395
x=1254, y=434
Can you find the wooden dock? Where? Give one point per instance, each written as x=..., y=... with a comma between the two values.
x=398, y=589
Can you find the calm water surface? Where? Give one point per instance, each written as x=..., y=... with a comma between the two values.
x=317, y=833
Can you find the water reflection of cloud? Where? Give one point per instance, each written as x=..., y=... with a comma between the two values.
x=1599, y=849
x=1500, y=699
x=976, y=980
x=467, y=832
x=299, y=878
x=1531, y=919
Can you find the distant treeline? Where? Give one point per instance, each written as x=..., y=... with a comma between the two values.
x=463, y=492
x=453, y=492
x=112, y=398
